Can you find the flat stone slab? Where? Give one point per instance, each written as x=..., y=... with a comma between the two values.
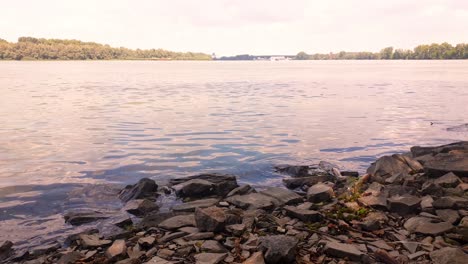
x=284, y=196
x=210, y=258
x=304, y=215
x=253, y=201
x=427, y=226
x=404, y=205
x=191, y=206
x=293, y=183
x=178, y=221
x=341, y=250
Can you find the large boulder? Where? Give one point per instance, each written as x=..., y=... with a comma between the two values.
x=278, y=249
x=204, y=185
x=388, y=166
x=145, y=188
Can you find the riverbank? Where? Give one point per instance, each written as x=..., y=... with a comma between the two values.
x=408, y=208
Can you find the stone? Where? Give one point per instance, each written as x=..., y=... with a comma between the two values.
x=154, y=219
x=278, y=248
x=90, y=241
x=70, y=257
x=426, y=203
x=45, y=248
x=194, y=188
x=171, y=236
x=6, y=249
x=430, y=188
x=450, y=202
x=448, y=255
x=373, y=221
x=464, y=222
x=253, y=201
x=427, y=226
x=442, y=163
x=417, y=255
x=320, y=192
x=140, y=207
x=304, y=215
x=210, y=258
x=404, y=205
x=377, y=202
x=222, y=184
x=213, y=246
x=145, y=188
x=241, y=190
x=341, y=250
x=165, y=253
x=211, y=219
x=146, y=242
x=118, y=249
x=448, y=215
x=381, y=244
x=191, y=206
x=178, y=221
x=387, y=166
x=293, y=183
x=411, y=246
x=81, y=217
x=255, y=258
x=199, y=236
x=236, y=229
x=284, y=196
x=158, y=260
x=449, y=180
x=295, y=170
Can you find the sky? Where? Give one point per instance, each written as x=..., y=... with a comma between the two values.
x=229, y=27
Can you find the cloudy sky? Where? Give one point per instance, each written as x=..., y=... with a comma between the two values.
x=230, y=27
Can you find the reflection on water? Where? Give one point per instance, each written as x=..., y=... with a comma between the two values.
x=68, y=123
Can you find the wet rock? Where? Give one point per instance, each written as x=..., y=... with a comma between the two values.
x=320, y=192
x=70, y=257
x=404, y=205
x=427, y=226
x=241, y=190
x=210, y=258
x=5, y=249
x=341, y=250
x=304, y=215
x=278, y=248
x=295, y=171
x=80, y=217
x=145, y=188
x=448, y=255
x=213, y=246
x=253, y=201
x=373, y=221
x=256, y=258
x=211, y=219
x=118, y=249
x=449, y=180
x=448, y=215
x=222, y=184
x=191, y=206
x=93, y=240
x=284, y=196
x=178, y=221
x=140, y=207
x=388, y=166
x=293, y=183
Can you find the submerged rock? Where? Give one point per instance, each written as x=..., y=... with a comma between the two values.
x=81, y=217
x=145, y=188
x=140, y=207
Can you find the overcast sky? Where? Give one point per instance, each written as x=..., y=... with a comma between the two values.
x=229, y=27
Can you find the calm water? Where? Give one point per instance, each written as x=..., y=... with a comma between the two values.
x=69, y=124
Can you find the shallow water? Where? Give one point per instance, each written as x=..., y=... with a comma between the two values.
x=65, y=125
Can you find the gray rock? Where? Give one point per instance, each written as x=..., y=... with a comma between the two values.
x=241, y=190
x=448, y=255
x=387, y=166
x=464, y=222
x=448, y=180
x=80, y=217
x=404, y=205
x=194, y=188
x=284, y=196
x=145, y=188
x=450, y=202
x=374, y=201
x=177, y=222
x=430, y=188
x=199, y=236
x=213, y=246
x=293, y=183
x=255, y=258
x=6, y=249
x=140, y=207
x=236, y=229
x=70, y=257
x=171, y=236
x=341, y=250
x=253, y=201
x=426, y=203
x=417, y=255
x=211, y=219
x=222, y=183
x=210, y=258
x=320, y=192
x=118, y=249
x=146, y=242
x=90, y=241
x=278, y=249
x=45, y=248
x=158, y=260
x=191, y=206
x=448, y=215
x=427, y=226
x=304, y=215
x=373, y=221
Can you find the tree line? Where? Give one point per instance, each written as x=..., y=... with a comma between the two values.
x=444, y=51
x=28, y=48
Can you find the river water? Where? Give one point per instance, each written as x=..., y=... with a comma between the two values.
x=67, y=126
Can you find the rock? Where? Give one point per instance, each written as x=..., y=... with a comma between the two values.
x=199, y=236
x=295, y=171
x=191, y=206
x=210, y=258
x=70, y=257
x=404, y=205
x=427, y=226
x=284, y=196
x=426, y=203
x=373, y=221
x=450, y=202
x=387, y=166
x=80, y=217
x=140, y=207
x=211, y=219
x=448, y=215
x=430, y=188
x=320, y=192
x=449, y=180
x=417, y=255
x=154, y=219
x=45, y=248
x=6, y=249
x=410, y=246
x=236, y=229
x=213, y=246
x=448, y=255
x=194, y=188
x=90, y=241
x=118, y=249
x=241, y=190
x=253, y=201
x=158, y=260
x=464, y=222
x=304, y=215
x=278, y=248
x=256, y=258
x=374, y=201
x=440, y=164
x=146, y=242
x=293, y=183
x=171, y=236
x=222, y=184
x=165, y=253
x=145, y=188
x=341, y=250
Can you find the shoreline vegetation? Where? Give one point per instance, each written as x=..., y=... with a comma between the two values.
x=407, y=208
x=31, y=49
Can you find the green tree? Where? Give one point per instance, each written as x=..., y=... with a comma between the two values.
x=302, y=56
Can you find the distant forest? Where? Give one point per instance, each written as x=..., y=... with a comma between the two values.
x=28, y=48
x=434, y=51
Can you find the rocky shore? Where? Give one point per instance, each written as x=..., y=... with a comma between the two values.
x=407, y=208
